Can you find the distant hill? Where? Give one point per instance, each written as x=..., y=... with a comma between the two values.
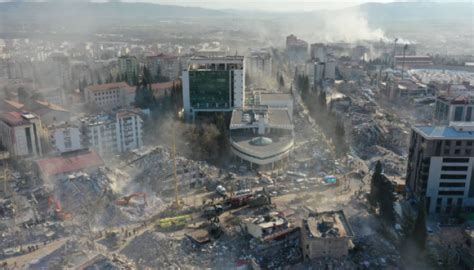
x=53, y=11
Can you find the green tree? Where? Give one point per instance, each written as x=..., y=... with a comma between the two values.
x=375, y=184
x=419, y=234
x=386, y=201
x=281, y=81
x=144, y=97
x=23, y=95
x=322, y=98
x=146, y=75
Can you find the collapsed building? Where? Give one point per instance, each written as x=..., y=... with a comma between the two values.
x=326, y=234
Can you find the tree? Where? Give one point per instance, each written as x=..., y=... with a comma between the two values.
x=375, y=184
x=144, y=97
x=110, y=78
x=322, y=98
x=23, y=95
x=281, y=81
x=386, y=201
x=146, y=75
x=83, y=84
x=419, y=234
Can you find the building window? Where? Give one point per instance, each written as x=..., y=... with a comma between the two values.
x=447, y=143
x=457, y=151
x=458, y=143
x=468, y=151
x=469, y=143
x=451, y=192
x=446, y=151
x=458, y=112
x=455, y=160
x=454, y=168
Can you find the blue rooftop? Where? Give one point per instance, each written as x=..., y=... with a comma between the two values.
x=444, y=132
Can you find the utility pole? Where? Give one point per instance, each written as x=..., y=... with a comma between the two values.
x=394, y=50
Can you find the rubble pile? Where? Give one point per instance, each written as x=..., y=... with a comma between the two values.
x=158, y=251
x=154, y=169
x=393, y=163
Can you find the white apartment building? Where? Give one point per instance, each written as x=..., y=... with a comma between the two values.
x=65, y=137
x=213, y=84
x=20, y=134
x=109, y=95
x=113, y=133
x=441, y=166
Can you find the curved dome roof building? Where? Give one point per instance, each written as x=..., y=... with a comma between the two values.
x=261, y=136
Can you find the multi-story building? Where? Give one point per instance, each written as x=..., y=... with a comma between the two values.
x=271, y=100
x=326, y=234
x=164, y=67
x=441, y=166
x=110, y=95
x=130, y=130
x=213, y=84
x=65, y=137
x=318, y=52
x=129, y=67
x=454, y=108
x=297, y=49
x=260, y=63
x=261, y=136
x=21, y=133
x=112, y=133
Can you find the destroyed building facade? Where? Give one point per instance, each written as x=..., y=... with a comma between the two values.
x=111, y=133
x=326, y=234
x=21, y=133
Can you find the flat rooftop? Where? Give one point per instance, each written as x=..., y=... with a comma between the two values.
x=455, y=131
x=331, y=224
x=249, y=118
x=270, y=97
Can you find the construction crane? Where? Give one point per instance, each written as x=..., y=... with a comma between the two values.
x=177, y=203
x=59, y=213
x=124, y=201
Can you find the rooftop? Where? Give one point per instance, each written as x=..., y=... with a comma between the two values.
x=270, y=97
x=69, y=163
x=455, y=131
x=107, y=86
x=331, y=224
x=249, y=118
x=51, y=106
x=463, y=98
x=17, y=118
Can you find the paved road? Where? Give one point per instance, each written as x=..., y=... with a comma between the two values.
x=22, y=260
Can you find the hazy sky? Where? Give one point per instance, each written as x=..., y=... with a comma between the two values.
x=270, y=5
x=277, y=5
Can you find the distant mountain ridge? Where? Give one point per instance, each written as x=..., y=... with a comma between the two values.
x=49, y=12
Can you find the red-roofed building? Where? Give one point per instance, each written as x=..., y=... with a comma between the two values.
x=77, y=161
x=50, y=113
x=109, y=95
x=21, y=133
